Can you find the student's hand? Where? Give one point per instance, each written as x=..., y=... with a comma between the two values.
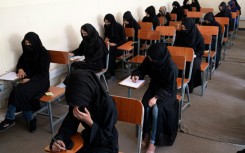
x=58, y=145
x=21, y=74
x=85, y=117
x=24, y=80
x=71, y=54
x=152, y=101
x=107, y=40
x=135, y=78
x=112, y=44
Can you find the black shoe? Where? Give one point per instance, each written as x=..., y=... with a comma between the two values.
x=6, y=124
x=33, y=125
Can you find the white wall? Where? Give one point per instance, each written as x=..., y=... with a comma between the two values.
x=58, y=22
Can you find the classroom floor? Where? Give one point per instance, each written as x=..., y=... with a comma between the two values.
x=214, y=123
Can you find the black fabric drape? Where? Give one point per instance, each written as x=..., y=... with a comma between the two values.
x=191, y=37
x=152, y=17
x=93, y=48
x=163, y=73
x=84, y=90
x=35, y=62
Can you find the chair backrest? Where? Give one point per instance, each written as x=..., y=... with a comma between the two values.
x=206, y=10
x=167, y=31
x=161, y=20
x=129, y=32
x=193, y=9
x=224, y=21
x=192, y=14
x=149, y=35
x=146, y=25
x=176, y=24
x=60, y=57
x=107, y=56
x=187, y=52
x=131, y=111
x=173, y=16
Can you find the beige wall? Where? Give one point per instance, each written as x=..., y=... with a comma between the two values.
x=58, y=22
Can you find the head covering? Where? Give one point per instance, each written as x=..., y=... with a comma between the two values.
x=159, y=54
x=163, y=9
x=176, y=4
x=151, y=11
x=84, y=89
x=93, y=35
x=110, y=18
x=185, y=2
x=112, y=28
x=210, y=17
x=223, y=7
x=127, y=16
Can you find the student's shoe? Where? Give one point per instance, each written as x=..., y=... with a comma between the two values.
x=6, y=124
x=33, y=125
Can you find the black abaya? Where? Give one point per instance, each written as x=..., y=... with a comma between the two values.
x=35, y=63
x=152, y=17
x=177, y=9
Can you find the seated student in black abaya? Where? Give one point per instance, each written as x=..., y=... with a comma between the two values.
x=92, y=47
x=186, y=5
x=195, y=4
x=151, y=17
x=190, y=36
x=164, y=14
x=130, y=22
x=177, y=9
x=114, y=36
x=91, y=106
x=209, y=20
x=224, y=12
x=33, y=71
x=161, y=107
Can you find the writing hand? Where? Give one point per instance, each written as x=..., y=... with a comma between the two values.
x=135, y=78
x=58, y=145
x=21, y=73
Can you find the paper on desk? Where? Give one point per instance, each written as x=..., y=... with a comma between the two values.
x=129, y=83
x=77, y=58
x=10, y=76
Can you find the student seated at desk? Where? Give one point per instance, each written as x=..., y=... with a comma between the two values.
x=160, y=104
x=92, y=47
x=190, y=36
x=151, y=17
x=91, y=106
x=164, y=14
x=114, y=36
x=177, y=9
x=33, y=70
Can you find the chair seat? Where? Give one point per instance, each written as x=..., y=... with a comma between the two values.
x=126, y=46
x=168, y=40
x=137, y=59
x=144, y=47
x=204, y=66
x=179, y=82
x=212, y=54
x=122, y=57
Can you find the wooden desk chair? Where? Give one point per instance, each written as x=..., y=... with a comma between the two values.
x=152, y=37
x=59, y=57
x=168, y=34
x=161, y=20
x=193, y=9
x=194, y=15
x=188, y=53
x=103, y=71
x=206, y=10
x=176, y=24
x=180, y=62
x=173, y=17
x=224, y=21
x=211, y=55
x=131, y=111
x=204, y=65
x=146, y=26
x=78, y=144
x=185, y=11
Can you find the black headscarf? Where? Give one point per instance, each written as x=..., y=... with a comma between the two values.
x=84, y=90
x=152, y=17
x=178, y=10
x=223, y=7
x=159, y=54
x=151, y=11
x=93, y=35
x=132, y=22
x=196, y=4
x=210, y=17
x=110, y=29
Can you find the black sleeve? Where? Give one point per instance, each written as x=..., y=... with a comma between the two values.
x=79, y=51
x=142, y=70
x=122, y=35
x=20, y=64
x=168, y=17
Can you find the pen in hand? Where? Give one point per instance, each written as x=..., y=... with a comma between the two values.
x=59, y=143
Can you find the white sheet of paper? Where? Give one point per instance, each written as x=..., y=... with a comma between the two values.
x=10, y=76
x=77, y=58
x=129, y=83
